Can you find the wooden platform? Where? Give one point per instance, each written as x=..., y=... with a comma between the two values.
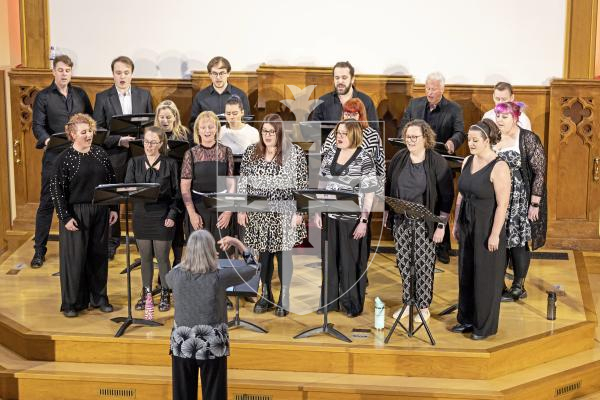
x=45, y=352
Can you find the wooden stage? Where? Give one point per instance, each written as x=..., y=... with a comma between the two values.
x=47, y=356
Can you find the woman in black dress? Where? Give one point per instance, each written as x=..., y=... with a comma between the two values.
x=420, y=175
x=83, y=227
x=168, y=119
x=207, y=168
x=484, y=191
x=350, y=168
x=154, y=223
x=524, y=153
x=273, y=168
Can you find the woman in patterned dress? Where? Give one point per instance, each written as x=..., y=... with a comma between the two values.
x=420, y=175
x=348, y=167
x=273, y=168
x=524, y=153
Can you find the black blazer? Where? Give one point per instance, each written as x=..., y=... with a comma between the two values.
x=452, y=125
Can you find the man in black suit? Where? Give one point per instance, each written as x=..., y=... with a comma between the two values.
x=443, y=115
x=330, y=109
x=446, y=119
x=52, y=108
x=213, y=97
x=120, y=99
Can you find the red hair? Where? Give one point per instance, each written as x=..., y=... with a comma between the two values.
x=355, y=105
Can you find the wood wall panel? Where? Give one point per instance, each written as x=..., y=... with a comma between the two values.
x=5, y=221
x=580, y=39
x=35, y=38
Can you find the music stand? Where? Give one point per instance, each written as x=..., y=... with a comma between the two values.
x=249, y=288
x=338, y=202
x=412, y=212
x=130, y=124
x=115, y=194
x=59, y=141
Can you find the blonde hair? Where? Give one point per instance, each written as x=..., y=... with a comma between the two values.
x=201, y=255
x=206, y=115
x=180, y=132
x=79, y=118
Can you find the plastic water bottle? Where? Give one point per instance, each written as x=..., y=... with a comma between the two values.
x=379, y=314
x=551, y=310
x=52, y=56
x=149, y=308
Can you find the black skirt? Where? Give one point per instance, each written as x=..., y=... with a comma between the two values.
x=149, y=222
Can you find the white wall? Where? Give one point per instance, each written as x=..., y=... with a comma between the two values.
x=470, y=41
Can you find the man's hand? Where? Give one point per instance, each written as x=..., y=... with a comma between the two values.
x=124, y=141
x=450, y=146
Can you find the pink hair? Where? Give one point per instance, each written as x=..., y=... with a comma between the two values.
x=510, y=107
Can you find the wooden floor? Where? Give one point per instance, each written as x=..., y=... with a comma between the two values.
x=42, y=348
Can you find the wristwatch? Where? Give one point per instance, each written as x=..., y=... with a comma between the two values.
x=441, y=225
x=364, y=220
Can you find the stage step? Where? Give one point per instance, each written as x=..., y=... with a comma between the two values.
x=566, y=378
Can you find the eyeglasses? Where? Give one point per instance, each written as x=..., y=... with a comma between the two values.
x=218, y=74
x=151, y=142
x=344, y=134
x=269, y=132
x=413, y=138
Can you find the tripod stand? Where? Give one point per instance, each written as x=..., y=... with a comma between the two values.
x=122, y=193
x=334, y=203
x=413, y=212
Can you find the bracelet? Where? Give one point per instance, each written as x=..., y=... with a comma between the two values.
x=535, y=205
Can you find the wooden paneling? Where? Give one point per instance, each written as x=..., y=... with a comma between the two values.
x=580, y=39
x=573, y=145
x=35, y=42
x=4, y=174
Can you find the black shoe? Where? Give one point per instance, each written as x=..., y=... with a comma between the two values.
x=352, y=314
x=517, y=290
x=229, y=304
x=111, y=252
x=478, y=337
x=462, y=328
x=70, y=313
x=266, y=300
x=506, y=296
x=38, y=260
x=141, y=304
x=106, y=308
x=165, y=300
x=283, y=305
x=442, y=255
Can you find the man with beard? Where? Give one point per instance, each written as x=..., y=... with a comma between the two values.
x=330, y=109
x=52, y=108
x=213, y=97
x=120, y=99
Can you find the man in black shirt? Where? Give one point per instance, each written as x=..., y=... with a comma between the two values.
x=120, y=99
x=446, y=119
x=52, y=108
x=213, y=97
x=443, y=115
x=330, y=109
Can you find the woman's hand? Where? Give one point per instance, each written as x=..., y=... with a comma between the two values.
x=360, y=231
x=493, y=242
x=296, y=220
x=113, y=217
x=223, y=220
x=385, y=218
x=196, y=221
x=455, y=231
x=318, y=221
x=169, y=223
x=534, y=213
x=71, y=225
x=438, y=235
x=242, y=218
x=228, y=241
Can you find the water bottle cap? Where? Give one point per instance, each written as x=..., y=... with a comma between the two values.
x=551, y=294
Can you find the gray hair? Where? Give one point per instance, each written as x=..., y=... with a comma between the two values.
x=201, y=255
x=436, y=76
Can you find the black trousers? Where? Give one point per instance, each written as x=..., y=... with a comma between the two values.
x=213, y=375
x=45, y=211
x=84, y=259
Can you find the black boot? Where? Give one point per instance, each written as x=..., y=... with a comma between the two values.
x=517, y=290
x=38, y=260
x=141, y=304
x=283, y=304
x=165, y=300
x=266, y=300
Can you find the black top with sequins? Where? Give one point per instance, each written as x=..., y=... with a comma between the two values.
x=76, y=175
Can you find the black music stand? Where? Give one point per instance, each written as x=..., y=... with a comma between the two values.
x=115, y=194
x=338, y=202
x=249, y=288
x=130, y=124
x=412, y=212
x=59, y=141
